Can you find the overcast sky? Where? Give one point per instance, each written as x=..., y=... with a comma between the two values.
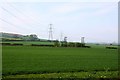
x=96, y=21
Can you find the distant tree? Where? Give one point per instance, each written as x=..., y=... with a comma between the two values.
x=33, y=37
x=15, y=36
x=56, y=43
x=26, y=38
x=111, y=44
x=71, y=44
x=80, y=44
x=65, y=42
x=65, y=39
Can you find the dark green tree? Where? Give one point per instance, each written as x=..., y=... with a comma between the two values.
x=56, y=43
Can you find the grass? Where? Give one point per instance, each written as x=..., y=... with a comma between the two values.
x=39, y=60
x=100, y=74
x=0, y=61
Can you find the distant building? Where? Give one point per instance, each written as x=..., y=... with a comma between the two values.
x=82, y=39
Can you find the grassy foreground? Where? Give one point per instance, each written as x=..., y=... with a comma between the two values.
x=99, y=74
x=56, y=62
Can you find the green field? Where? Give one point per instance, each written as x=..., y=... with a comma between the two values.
x=40, y=60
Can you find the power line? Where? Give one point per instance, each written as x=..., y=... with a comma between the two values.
x=8, y=22
x=17, y=10
x=15, y=16
x=8, y=12
x=24, y=14
x=61, y=36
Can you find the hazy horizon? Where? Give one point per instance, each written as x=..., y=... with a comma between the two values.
x=96, y=21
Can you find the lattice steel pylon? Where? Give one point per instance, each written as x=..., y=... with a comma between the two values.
x=50, y=32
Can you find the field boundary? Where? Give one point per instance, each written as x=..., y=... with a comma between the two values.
x=92, y=74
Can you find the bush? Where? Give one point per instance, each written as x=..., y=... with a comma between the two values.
x=56, y=43
x=17, y=44
x=71, y=44
x=42, y=45
x=6, y=44
x=111, y=47
x=64, y=44
x=80, y=44
x=87, y=46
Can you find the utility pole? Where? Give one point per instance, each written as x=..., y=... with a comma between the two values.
x=61, y=37
x=50, y=32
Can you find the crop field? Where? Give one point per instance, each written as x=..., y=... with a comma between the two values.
x=41, y=60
